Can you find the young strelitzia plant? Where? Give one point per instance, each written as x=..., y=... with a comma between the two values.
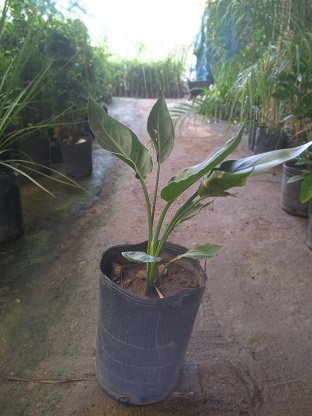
x=214, y=174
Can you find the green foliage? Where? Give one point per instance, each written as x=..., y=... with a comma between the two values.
x=305, y=163
x=46, y=73
x=254, y=47
x=38, y=38
x=102, y=88
x=213, y=177
x=294, y=83
x=146, y=80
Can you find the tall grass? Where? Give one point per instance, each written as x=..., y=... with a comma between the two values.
x=148, y=79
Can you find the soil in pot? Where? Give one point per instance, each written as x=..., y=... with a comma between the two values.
x=131, y=277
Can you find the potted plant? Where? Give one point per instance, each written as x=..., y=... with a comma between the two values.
x=302, y=178
x=143, y=334
x=252, y=99
x=16, y=97
x=13, y=100
x=294, y=83
x=76, y=148
x=306, y=192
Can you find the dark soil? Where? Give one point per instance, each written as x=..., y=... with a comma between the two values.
x=132, y=278
x=250, y=351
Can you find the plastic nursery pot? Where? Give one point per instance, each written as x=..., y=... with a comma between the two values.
x=251, y=131
x=77, y=157
x=11, y=222
x=141, y=342
x=56, y=152
x=309, y=236
x=37, y=150
x=290, y=192
x=267, y=139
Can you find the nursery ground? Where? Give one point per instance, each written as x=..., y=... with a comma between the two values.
x=250, y=351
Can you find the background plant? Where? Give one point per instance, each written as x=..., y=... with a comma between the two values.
x=46, y=75
x=134, y=78
x=247, y=43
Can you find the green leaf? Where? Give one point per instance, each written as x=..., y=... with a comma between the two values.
x=202, y=252
x=281, y=95
x=263, y=161
x=160, y=129
x=118, y=139
x=140, y=257
x=220, y=181
x=190, y=211
x=306, y=189
x=187, y=177
x=295, y=178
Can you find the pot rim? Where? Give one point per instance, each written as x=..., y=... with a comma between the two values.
x=194, y=266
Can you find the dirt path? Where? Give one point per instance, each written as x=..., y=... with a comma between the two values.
x=250, y=353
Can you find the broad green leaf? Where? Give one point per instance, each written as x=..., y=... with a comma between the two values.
x=262, y=162
x=202, y=252
x=281, y=95
x=306, y=189
x=118, y=139
x=140, y=257
x=187, y=177
x=160, y=129
x=219, y=181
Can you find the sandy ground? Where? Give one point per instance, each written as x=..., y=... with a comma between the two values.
x=250, y=352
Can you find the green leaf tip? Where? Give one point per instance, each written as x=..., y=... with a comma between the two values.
x=140, y=257
x=161, y=129
x=202, y=252
x=118, y=139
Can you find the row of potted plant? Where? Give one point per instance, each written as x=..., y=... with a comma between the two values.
x=43, y=89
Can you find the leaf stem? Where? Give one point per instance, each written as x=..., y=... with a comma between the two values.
x=173, y=221
x=155, y=192
x=149, y=215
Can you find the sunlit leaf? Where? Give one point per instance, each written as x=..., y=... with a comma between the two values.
x=262, y=162
x=140, y=257
x=118, y=139
x=160, y=129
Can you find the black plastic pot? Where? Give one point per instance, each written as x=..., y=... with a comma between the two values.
x=309, y=236
x=77, y=157
x=290, y=192
x=56, y=152
x=252, y=129
x=36, y=150
x=11, y=221
x=141, y=342
x=268, y=139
